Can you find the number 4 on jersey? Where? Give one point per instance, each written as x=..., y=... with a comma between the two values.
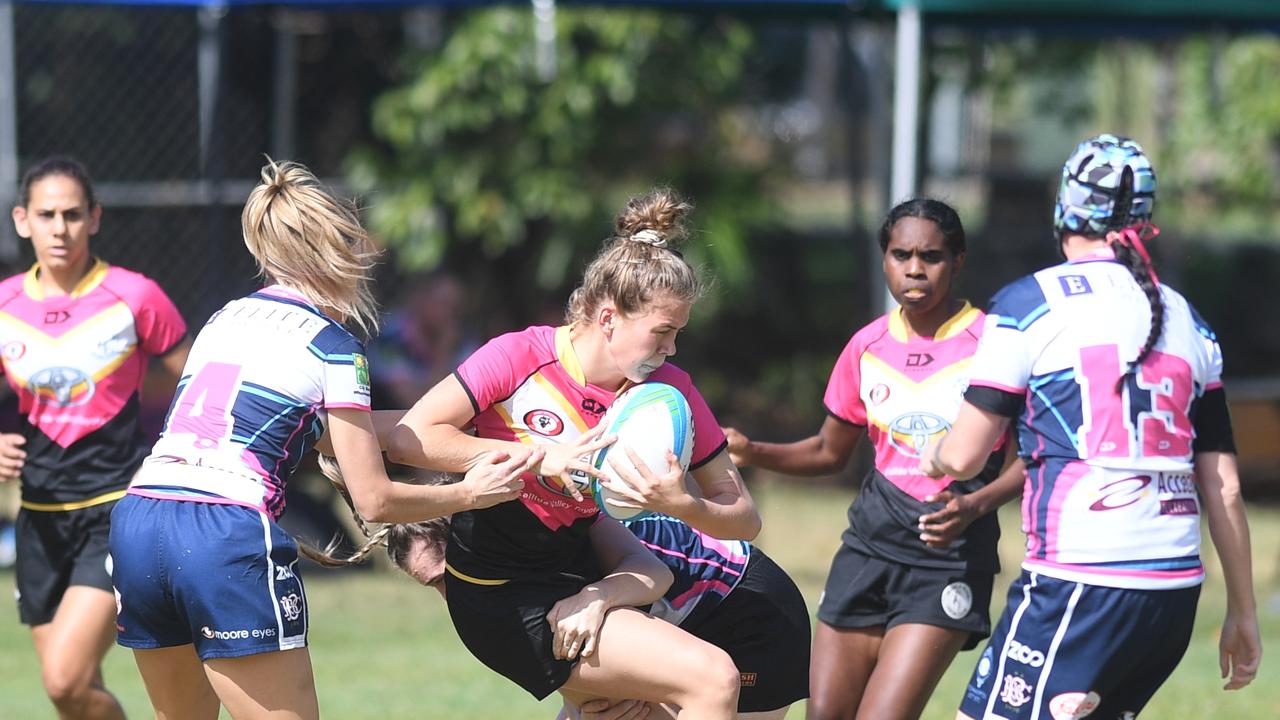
x=204, y=408
x=1152, y=413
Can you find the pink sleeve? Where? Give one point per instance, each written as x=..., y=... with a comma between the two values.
x=708, y=438
x=843, y=398
x=494, y=371
x=160, y=325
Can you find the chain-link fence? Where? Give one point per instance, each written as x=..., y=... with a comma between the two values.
x=173, y=108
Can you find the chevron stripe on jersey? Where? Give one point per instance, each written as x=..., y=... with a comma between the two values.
x=76, y=362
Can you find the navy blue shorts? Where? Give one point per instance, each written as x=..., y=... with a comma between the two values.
x=221, y=577
x=1066, y=649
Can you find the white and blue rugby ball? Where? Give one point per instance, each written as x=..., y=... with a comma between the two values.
x=650, y=419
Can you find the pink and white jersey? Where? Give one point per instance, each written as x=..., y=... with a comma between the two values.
x=906, y=391
x=529, y=387
x=1110, y=497
x=252, y=401
x=76, y=363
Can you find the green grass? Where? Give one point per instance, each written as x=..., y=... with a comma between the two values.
x=383, y=647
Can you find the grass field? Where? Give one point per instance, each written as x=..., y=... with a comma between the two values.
x=383, y=647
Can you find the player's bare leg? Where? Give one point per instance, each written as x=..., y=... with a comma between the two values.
x=71, y=648
x=176, y=683
x=275, y=685
x=842, y=662
x=913, y=658
x=639, y=656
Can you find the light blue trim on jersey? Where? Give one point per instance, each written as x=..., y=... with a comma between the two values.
x=1190, y=562
x=263, y=392
x=332, y=358
x=1048, y=404
x=1021, y=325
x=272, y=421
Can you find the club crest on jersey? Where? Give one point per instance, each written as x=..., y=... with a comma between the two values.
x=544, y=422
x=65, y=386
x=879, y=394
x=14, y=350
x=910, y=433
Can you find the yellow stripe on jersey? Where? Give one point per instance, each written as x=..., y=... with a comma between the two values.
x=473, y=580
x=567, y=356
x=92, y=279
x=569, y=410
x=76, y=505
x=953, y=326
x=519, y=432
x=944, y=375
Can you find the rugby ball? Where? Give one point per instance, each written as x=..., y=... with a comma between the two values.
x=650, y=419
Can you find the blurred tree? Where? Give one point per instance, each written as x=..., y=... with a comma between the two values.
x=479, y=151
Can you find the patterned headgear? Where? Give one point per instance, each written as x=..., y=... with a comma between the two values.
x=1094, y=178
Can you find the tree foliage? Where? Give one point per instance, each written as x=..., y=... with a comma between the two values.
x=480, y=152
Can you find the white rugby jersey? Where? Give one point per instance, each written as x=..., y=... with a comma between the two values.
x=252, y=400
x=1110, y=497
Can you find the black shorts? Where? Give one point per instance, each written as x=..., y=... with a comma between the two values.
x=865, y=591
x=505, y=627
x=55, y=551
x=763, y=625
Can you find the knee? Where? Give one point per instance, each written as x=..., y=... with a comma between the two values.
x=66, y=689
x=824, y=708
x=718, y=678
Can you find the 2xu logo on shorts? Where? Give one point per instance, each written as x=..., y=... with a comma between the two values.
x=237, y=634
x=1021, y=653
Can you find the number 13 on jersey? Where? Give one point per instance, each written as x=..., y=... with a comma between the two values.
x=1151, y=413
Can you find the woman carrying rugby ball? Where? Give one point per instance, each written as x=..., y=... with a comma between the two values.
x=523, y=587
x=910, y=585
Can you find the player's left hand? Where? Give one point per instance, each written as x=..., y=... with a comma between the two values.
x=1239, y=649
x=643, y=488
x=940, y=528
x=576, y=621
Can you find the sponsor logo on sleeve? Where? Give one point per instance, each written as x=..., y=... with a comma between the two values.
x=362, y=371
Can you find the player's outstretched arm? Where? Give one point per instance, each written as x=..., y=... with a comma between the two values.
x=430, y=435
x=378, y=499
x=826, y=453
x=1240, y=646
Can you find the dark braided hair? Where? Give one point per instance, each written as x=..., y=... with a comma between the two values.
x=1142, y=273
